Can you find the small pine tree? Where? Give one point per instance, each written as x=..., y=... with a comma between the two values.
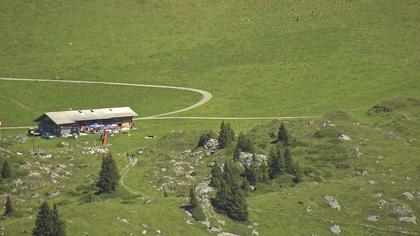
x=193, y=198
x=244, y=144
x=298, y=173
x=283, y=137
x=288, y=162
x=8, y=207
x=274, y=164
x=43, y=225
x=205, y=137
x=264, y=175
x=226, y=135
x=58, y=225
x=195, y=208
x=108, y=176
x=5, y=171
x=251, y=175
x=216, y=175
x=245, y=184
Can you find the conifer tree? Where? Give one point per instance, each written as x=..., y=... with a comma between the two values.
x=264, y=175
x=283, y=137
x=108, y=176
x=48, y=222
x=230, y=199
x=43, y=222
x=193, y=198
x=274, y=163
x=226, y=135
x=58, y=225
x=251, y=175
x=8, y=207
x=244, y=144
x=288, y=162
x=216, y=175
x=245, y=184
x=195, y=208
x=5, y=171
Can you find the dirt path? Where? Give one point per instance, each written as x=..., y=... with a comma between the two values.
x=123, y=175
x=16, y=102
x=206, y=96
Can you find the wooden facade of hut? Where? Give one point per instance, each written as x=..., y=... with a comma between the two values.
x=64, y=123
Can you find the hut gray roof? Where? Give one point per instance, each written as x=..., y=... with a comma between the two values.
x=69, y=117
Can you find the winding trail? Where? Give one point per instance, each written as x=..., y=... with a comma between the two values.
x=206, y=97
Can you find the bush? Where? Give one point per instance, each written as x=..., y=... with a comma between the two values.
x=198, y=214
x=206, y=137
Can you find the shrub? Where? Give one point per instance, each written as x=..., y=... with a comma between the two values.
x=206, y=137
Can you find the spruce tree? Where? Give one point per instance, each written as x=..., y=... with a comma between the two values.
x=230, y=199
x=298, y=173
x=244, y=144
x=251, y=175
x=43, y=222
x=264, y=175
x=58, y=225
x=226, y=135
x=8, y=207
x=283, y=137
x=108, y=176
x=193, y=198
x=5, y=171
x=275, y=162
x=216, y=175
x=288, y=162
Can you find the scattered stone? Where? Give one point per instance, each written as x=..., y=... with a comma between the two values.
x=94, y=150
x=335, y=229
x=54, y=194
x=402, y=210
x=373, y=218
x=34, y=174
x=389, y=135
x=328, y=124
x=411, y=140
x=249, y=159
x=408, y=219
x=408, y=195
x=18, y=182
x=371, y=182
x=344, y=137
x=332, y=202
x=356, y=151
x=226, y=234
x=144, y=232
x=211, y=146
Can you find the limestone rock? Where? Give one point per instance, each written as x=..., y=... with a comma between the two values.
x=344, y=137
x=332, y=202
x=335, y=229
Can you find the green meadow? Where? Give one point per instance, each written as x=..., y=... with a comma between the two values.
x=254, y=56
x=257, y=58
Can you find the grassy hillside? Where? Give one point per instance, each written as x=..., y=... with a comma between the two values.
x=252, y=55
x=158, y=185
x=258, y=58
